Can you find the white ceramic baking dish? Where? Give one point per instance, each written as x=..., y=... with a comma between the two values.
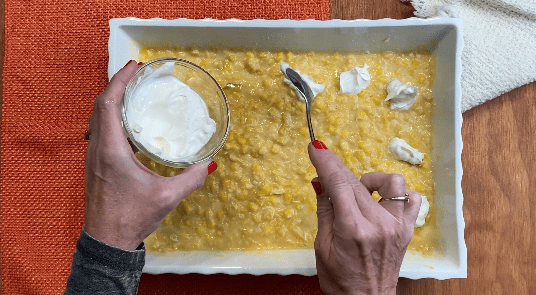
x=442, y=36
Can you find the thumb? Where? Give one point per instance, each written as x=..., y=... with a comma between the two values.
x=106, y=119
x=190, y=180
x=332, y=175
x=325, y=216
x=114, y=92
x=324, y=210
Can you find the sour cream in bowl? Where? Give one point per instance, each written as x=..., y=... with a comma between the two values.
x=175, y=112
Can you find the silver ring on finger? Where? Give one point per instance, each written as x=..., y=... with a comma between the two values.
x=405, y=198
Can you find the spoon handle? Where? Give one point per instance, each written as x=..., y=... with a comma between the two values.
x=308, y=112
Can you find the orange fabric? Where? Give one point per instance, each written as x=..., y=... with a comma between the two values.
x=55, y=65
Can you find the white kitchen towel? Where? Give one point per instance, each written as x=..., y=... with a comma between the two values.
x=499, y=44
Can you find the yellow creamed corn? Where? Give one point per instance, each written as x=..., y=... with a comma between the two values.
x=265, y=199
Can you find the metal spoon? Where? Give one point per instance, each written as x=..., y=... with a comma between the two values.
x=306, y=93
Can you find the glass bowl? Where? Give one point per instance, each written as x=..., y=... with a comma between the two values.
x=208, y=89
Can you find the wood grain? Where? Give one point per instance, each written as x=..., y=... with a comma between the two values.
x=499, y=160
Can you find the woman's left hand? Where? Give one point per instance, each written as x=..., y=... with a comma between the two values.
x=125, y=201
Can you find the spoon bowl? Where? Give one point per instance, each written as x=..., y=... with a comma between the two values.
x=306, y=93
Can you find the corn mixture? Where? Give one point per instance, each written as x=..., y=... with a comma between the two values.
x=260, y=197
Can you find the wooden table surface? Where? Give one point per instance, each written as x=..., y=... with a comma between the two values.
x=498, y=182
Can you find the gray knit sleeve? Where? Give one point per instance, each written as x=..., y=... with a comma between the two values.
x=101, y=269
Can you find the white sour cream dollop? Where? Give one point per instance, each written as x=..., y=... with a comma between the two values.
x=402, y=96
x=315, y=88
x=168, y=117
x=355, y=80
x=404, y=152
x=423, y=211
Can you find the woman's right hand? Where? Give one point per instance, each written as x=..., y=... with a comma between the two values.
x=360, y=244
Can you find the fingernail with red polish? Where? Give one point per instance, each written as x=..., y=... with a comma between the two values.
x=140, y=63
x=381, y=199
x=212, y=167
x=317, y=187
x=319, y=145
x=128, y=62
